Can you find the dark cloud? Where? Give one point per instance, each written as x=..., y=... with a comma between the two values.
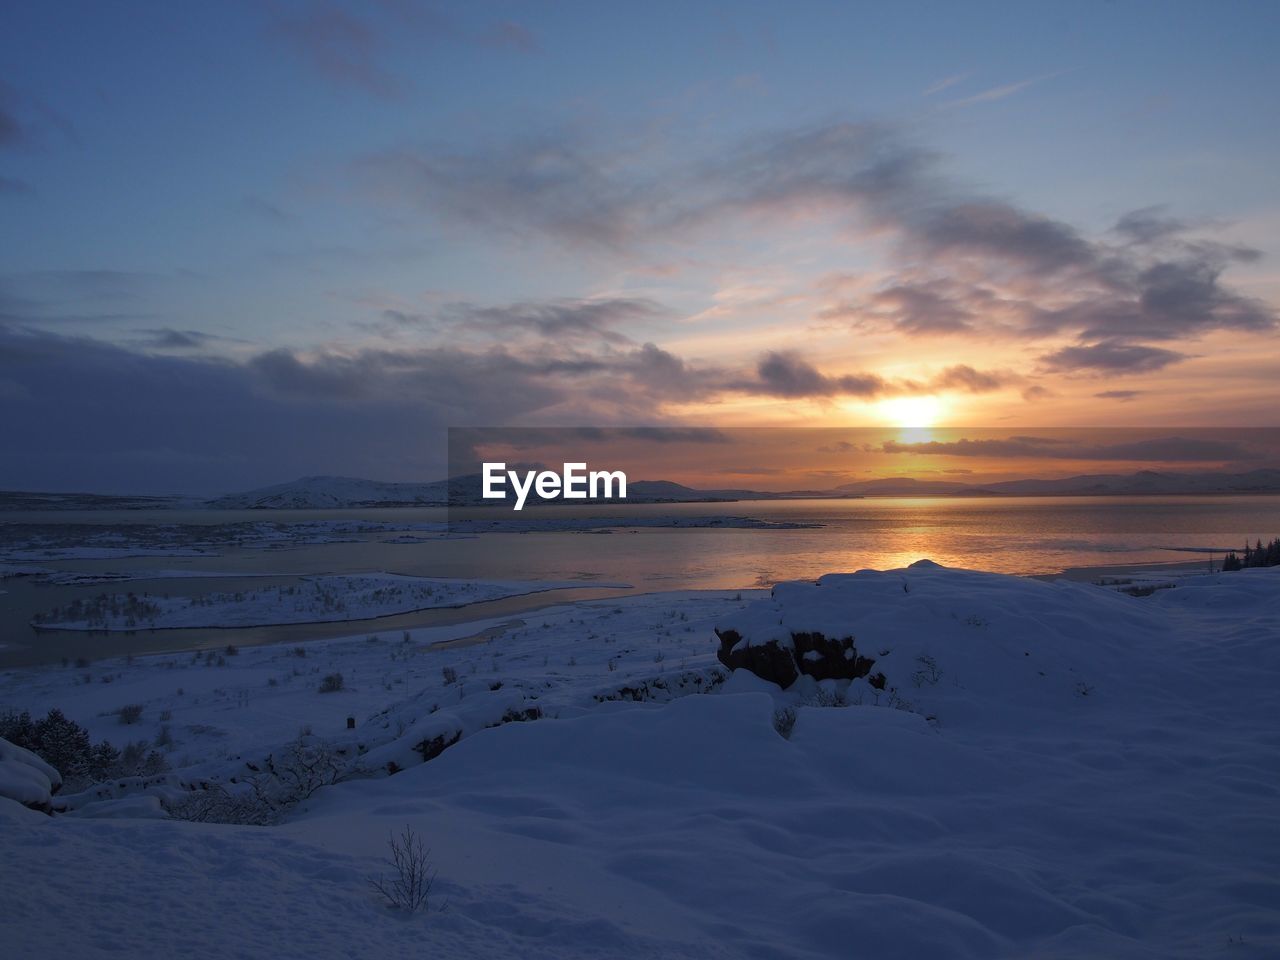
x=166, y=338
x=1168, y=300
x=1002, y=232
x=929, y=307
x=535, y=437
x=1158, y=450
x=1110, y=356
x=1148, y=225
x=785, y=374
x=129, y=420
x=1122, y=395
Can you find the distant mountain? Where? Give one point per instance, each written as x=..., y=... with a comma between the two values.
x=345, y=492
x=320, y=493
x=901, y=487
x=337, y=493
x=25, y=500
x=1147, y=482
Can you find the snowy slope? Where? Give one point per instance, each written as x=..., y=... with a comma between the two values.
x=1079, y=774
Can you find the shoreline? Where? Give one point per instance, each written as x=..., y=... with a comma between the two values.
x=73, y=644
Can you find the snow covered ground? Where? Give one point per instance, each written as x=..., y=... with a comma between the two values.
x=313, y=600
x=1048, y=769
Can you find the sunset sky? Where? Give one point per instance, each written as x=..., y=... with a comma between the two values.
x=243, y=242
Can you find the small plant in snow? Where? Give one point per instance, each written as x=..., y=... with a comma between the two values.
x=450, y=675
x=784, y=721
x=929, y=671
x=332, y=683
x=130, y=713
x=408, y=887
x=826, y=698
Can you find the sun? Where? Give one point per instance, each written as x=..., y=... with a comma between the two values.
x=911, y=412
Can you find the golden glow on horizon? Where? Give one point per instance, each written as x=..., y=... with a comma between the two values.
x=910, y=412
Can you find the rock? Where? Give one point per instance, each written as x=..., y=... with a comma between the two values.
x=812, y=654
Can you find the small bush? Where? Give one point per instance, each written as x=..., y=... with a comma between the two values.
x=784, y=721
x=409, y=885
x=130, y=713
x=284, y=780
x=332, y=683
x=450, y=675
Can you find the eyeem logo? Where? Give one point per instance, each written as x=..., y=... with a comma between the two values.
x=572, y=483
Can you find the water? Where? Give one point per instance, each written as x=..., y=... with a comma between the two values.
x=1032, y=536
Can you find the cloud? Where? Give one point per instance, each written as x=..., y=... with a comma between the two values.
x=966, y=378
x=1004, y=90
x=944, y=84
x=959, y=262
x=785, y=374
x=1124, y=396
x=1110, y=356
x=1148, y=225
x=166, y=338
x=932, y=307
x=1002, y=231
x=550, y=185
x=562, y=319
x=165, y=422
x=1169, y=300
x=340, y=46
x=11, y=186
x=1159, y=450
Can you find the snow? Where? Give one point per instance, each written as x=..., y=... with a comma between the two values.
x=1079, y=774
x=24, y=777
x=316, y=599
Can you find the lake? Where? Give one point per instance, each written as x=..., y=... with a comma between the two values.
x=1030, y=536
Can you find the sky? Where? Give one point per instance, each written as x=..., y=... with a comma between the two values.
x=245, y=242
